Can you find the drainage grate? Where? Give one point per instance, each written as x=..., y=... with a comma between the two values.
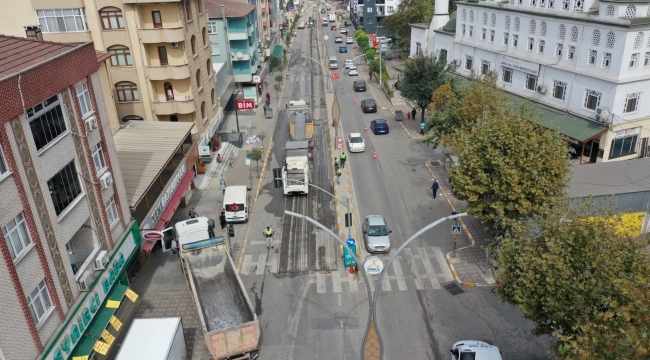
x=453, y=288
x=435, y=163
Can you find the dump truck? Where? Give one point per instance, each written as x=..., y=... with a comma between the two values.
x=231, y=329
x=296, y=167
x=301, y=125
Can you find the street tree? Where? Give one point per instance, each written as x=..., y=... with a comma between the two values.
x=408, y=12
x=582, y=282
x=422, y=75
x=255, y=155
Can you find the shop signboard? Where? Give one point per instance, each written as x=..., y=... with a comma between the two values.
x=74, y=330
x=520, y=65
x=165, y=196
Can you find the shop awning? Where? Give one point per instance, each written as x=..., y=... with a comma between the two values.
x=175, y=200
x=277, y=51
x=94, y=331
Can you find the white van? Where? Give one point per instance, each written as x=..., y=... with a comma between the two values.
x=334, y=63
x=235, y=203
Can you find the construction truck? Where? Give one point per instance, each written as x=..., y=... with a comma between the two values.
x=296, y=167
x=230, y=326
x=301, y=125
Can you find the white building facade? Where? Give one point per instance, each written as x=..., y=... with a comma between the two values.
x=587, y=63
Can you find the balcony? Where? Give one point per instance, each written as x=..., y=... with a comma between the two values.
x=237, y=35
x=245, y=55
x=177, y=106
x=167, y=72
x=162, y=35
x=243, y=77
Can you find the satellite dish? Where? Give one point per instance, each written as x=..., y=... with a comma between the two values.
x=240, y=55
x=326, y=37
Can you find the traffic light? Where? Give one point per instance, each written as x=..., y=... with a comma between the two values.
x=231, y=230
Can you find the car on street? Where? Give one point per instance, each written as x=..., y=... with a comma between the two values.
x=359, y=85
x=473, y=349
x=343, y=30
x=348, y=63
x=352, y=71
x=343, y=49
x=325, y=22
x=383, y=40
x=338, y=39
x=379, y=126
x=368, y=105
x=376, y=234
x=356, y=143
x=349, y=40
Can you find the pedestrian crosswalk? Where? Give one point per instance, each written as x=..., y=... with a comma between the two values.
x=419, y=268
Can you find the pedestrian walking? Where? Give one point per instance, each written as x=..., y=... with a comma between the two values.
x=222, y=185
x=343, y=158
x=174, y=247
x=408, y=115
x=337, y=163
x=259, y=89
x=371, y=75
x=435, y=188
x=422, y=128
x=222, y=221
x=193, y=213
x=268, y=98
x=268, y=234
x=413, y=112
x=338, y=176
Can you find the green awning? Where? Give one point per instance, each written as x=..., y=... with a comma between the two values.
x=277, y=51
x=99, y=322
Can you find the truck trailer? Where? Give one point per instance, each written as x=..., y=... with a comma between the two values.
x=169, y=343
x=296, y=167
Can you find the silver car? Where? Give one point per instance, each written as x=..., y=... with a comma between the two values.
x=375, y=233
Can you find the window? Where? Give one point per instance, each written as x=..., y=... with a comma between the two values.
x=215, y=49
x=390, y=9
x=634, y=61
x=39, y=302
x=595, y=38
x=208, y=67
x=193, y=44
x=533, y=27
x=562, y=32
x=558, y=50
x=632, y=102
x=98, y=158
x=607, y=59
x=83, y=96
x=484, y=18
x=188, y=10
x=120, y=56
x=571, y=53
x=540, y=47
x=517, y=24
x=543, y=31
x=515, y=40
x=132, y=117
x=610, y=10
x=638, y=40
x=533, y=3
x=610, y=39
x=559, y=89
x=198, y=79
x=369, y=10
x=630, y=11
x=578, y=5
x=111, y=211
x=531, y=82
x=443, y=55
x=199, y=4
x=46, y=122
x=62, y=20
x=468, y=62
x=471, y=16
x=483, y=34
x=574, y=34
x=3, y=163
x=505, y=38
x=592, y=99
x=204, y=34
x=111, y=19
x=464, y=14
x=369, y=21
x=471, y=31
x=157, y=19
x=203, y=112
x=64, y=187
x=491, y=35
x=531, y=44
x=493, y=20
x=462, y=30
x=485, y=67
x=17, y=236
x=213, y=98
x=508, y=22
x=127, y=92
x=593, y=54
x=212, y=27
x=506, y=75
x=162, y=55
x=624, y=143
x=551, y=4
x=646, y=62
x=565, y=5
x=418, y=48
x=542, y=3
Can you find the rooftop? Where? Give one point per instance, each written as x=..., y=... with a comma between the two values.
x=144, y=148
x=18, y=54
x=233, y=9
x=420, y=25
x=610, y=178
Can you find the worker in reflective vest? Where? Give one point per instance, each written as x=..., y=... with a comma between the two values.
x=268, y=234
x=337, y=163
x=343, y=158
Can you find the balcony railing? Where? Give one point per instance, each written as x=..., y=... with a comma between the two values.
x=162, y=35
x=176, y=106
x=175, y=72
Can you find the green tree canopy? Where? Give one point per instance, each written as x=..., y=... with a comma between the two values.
x=408, y=12
x=422, y=75
x=255, y=155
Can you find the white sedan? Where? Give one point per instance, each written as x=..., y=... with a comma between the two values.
x=352, y=71
x=349, y=40
x=356, y=143
x=338, y=39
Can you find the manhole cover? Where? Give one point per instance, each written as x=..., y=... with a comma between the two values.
x=453, y=288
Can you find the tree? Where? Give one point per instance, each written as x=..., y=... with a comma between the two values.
x=408, y=12
x=582, y=282
x=255, y=155
x=422, y=75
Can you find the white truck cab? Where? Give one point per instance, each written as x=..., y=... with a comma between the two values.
x=188, y=231
x=474, y=350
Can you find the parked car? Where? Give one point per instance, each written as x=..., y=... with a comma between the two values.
x=359, y=85
x=356, y=143
x=473, y=349
x=379, y=126
x=333, y=27
x=343, y=49
x=338, y=39
x=343, y=30
x=375, y=233
x=352, y=71
x=349, y=40
x=383, y=40
x=325, y=22
x=368, y=105
x=348, y=63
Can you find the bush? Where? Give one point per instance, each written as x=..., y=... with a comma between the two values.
x=371, y=53
x=278, y=78
x=404, y=55
x=359, y=33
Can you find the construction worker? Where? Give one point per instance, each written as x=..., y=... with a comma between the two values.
x=338, y=176
x=268, y=234
x=337, y=163
x=343, y=158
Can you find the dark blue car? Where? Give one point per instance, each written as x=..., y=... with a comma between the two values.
x=343, y=49
x=379, y=126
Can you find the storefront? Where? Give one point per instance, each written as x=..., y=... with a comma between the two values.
x=91, y=326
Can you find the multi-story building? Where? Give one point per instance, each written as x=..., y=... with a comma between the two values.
x=160, y=66
x=67, y=235
x=370, y=15
x=585, y=63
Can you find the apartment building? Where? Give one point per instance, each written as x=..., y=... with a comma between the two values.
x=585, y=63
x=160, y=66
x=67, y=235
x=370, y=14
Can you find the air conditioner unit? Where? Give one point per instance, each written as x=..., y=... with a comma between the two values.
x=603, y=115
x=541, y=89
x=106, y=180
x=91, y=124
x=85, y=281
x=176, y=45
x=101, y=260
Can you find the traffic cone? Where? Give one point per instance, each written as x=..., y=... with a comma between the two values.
x=374, y=154
x=351, y=269
x=355, y=99
x=365, y=127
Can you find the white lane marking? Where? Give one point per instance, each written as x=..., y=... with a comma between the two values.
x=321, y=287
x=246, y=264
x=431, y=274
x=399, y=276
x=414, y=269
x=336, y=282
x=440, y=258
x=261, y=265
